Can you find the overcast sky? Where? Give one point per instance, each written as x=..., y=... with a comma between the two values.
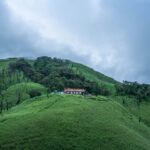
x=111, y=36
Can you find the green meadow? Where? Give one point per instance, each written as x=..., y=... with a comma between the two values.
x=62, y=122
x=36, y=115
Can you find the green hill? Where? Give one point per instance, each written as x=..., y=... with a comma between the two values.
x=22, y=91
x=95, y=76
x=91, y=74
x=72, y=122
x=58, y=74
x=110, y=116
x=131, y=104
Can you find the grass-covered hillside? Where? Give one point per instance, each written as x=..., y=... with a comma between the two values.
x=94, y=76
x=130, y=103
x=33, y=116
x=72, y=122
x=91, y=74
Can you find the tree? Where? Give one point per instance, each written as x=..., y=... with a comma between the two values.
x=48, y=91
x=2, y=87
x=140, y=91
x=1, y=103
x=7, y=105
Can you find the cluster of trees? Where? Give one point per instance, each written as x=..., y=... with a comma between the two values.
x=22, y=65
x=140, y=91
x=56, y=74
x=8, y=78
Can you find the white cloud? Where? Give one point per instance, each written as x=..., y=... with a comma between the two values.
x=96, y=30
x=96, y=7
x=48, y=28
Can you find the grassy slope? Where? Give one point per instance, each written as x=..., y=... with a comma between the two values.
x=130, y=103
x=72, y=122
x=145, y=113
x=93, y=75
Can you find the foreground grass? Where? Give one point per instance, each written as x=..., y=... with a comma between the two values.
x=63, y=122
x=130, y=104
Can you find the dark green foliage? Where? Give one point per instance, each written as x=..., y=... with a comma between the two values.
x=23, y=66
x=19, y=97
x=140, y=91
x=56, y=74
x=17, y=93
x=8, y=78
x=34, y=93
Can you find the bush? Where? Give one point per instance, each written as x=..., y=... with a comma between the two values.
x=34, y=93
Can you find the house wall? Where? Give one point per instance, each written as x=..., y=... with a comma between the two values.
x=73, y=92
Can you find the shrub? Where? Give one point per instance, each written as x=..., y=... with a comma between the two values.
x=34, y=93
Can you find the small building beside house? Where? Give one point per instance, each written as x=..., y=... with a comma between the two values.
x=74, y=91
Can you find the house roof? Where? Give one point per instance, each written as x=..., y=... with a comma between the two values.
x=74, y=90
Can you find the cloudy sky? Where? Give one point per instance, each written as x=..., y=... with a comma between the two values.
x=112, y=37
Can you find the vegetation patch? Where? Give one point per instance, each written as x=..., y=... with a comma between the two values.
x=71, y=122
